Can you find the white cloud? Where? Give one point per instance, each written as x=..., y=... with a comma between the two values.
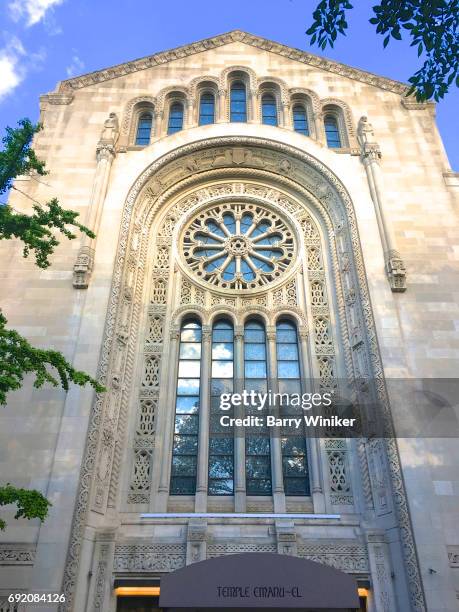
x=32, y=10
x=76, y=66
x=11, y=70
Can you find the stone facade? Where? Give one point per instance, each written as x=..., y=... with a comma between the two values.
x=372, y=288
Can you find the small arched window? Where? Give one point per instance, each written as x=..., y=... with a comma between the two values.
x=332, y=132
x=187, y=402
x=269, y=110
x=238, y=102
x=143, y=134
x=175, y=123
x=207, y=109
x=300, y=120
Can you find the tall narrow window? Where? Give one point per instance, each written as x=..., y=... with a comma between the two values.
x=207, y=109
x=175, y=123
x=332, y=132
x=221, y=441
x=143, y=130
x=238, y=102
x=269, y=110
x=257, y=444
x=294, y=455
x=300, y=120
x=185, y=445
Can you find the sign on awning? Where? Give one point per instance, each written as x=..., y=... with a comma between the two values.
x=258, y=580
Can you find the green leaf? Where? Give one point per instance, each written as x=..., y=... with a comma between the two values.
x=30, y=503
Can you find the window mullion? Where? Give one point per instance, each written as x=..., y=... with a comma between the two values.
x=239, y=439
x=313, y=443
x=276, y=451
x=204, y=417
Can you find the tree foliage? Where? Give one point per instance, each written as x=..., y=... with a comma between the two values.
x=30, y=503
x=432, y=26
x=18, y=358
x=37, y=232
x=17, y=156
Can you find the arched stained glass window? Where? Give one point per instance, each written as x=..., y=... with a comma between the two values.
x=238, y=102
x=332, y=132
x=300, y=120
x=175, y=123
x=293, y=444
x=207, y=109
x=185, y=444
x=257, y=443
x=144, y=129
x=269, y=110
x=221, y=440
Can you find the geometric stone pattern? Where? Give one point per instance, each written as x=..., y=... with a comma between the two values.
x=156, y=558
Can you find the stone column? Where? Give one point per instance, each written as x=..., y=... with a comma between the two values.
x=239, y=440
x=196, y=541
x=158, y=126
x=276, y=451
x=253, y=107
x=286, y=538
x=160, y=500
x=204, y=418
x=381, y=572
x=318, y=498
x=285, y=119
x=222, y=101
x=370, y=156
x=189, y=117
x=319, y=128
x=105, y=154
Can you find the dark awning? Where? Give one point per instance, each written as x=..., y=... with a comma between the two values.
x=258, y=580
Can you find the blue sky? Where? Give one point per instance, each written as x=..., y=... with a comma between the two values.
x=44, y=41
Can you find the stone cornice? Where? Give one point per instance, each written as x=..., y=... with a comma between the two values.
x=163, y=57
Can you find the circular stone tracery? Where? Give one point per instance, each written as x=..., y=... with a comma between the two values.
x=238, y=246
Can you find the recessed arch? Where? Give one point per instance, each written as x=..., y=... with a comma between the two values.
x=334, y=204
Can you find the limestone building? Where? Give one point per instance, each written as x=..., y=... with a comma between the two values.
x=263, y=215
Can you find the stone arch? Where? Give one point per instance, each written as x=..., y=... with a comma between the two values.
x=251, y=75
x=128, y=124
x=230, y=156
x=345, y=120
x=281, y=84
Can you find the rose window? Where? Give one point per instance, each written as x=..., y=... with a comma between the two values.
x=238, y=246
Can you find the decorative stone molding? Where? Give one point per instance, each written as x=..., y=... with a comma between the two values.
x=17, y=554
x=412, y=104
x=83, y=267
x=218, y=550
x=370, y=156
x=451, y=178
x=57, y=99
x=453, y=556
x=347, y=557
x=150, y=558
x=218, y=41
x=319, y=190
x=105, y=153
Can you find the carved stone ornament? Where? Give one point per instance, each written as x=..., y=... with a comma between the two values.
x=219, y=159
x=228, y=38
x=238, y=246
x=17, y=554
x=396, y=272
x=83, y=268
